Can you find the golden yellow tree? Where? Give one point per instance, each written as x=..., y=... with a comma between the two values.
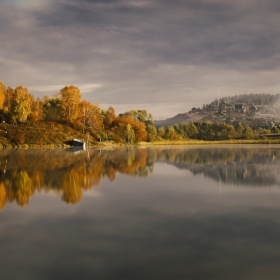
x=70, y=98
x=21, y=104
x=2, y=95
x=3, y=196
x=9, y=96
x=37, y=110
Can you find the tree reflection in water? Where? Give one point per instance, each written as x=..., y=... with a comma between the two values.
x=69, y=173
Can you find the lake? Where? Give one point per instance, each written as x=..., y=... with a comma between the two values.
x=186, y=212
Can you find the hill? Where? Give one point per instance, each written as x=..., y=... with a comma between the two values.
x=251, y=109
x=38, y=134
x=184, y=117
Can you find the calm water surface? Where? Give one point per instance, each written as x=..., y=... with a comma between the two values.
x=147, y=213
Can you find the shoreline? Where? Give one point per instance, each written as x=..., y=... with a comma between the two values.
x=149, y=144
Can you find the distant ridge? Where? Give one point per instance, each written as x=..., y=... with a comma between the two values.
x=215, y=112
x=181, y=117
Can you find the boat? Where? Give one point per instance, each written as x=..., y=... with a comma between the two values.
x=78, y=143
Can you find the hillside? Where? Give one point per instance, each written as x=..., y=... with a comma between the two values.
x=251, y=109
x=38, y=134
x=185, y=117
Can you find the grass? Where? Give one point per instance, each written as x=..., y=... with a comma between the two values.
x=38, y=134
x=204, y=142
x=53, y=134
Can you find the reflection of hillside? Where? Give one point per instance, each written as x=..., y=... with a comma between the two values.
x=236, y=166
x=24, y=172
x=67, y=173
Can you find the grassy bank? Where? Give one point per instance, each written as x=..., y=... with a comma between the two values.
x=55, y=134
x=38, y=134
x=202, y=142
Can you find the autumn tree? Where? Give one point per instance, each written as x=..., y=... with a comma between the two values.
x=70, y=99
x=52, y=109
x=21, y=104
x=109, y=117
x=37, y=110
x=2, y=95
x=138, y=127
x=120, y=124
x=129, y=134
x=9, y=96
x=89, y=118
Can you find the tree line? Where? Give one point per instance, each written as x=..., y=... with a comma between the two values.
x=67, y=106
x=252, y=98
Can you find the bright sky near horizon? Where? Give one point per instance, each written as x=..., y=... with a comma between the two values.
x=165, y=56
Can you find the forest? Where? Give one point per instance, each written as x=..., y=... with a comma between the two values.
x=66, y=107
x=252, y=98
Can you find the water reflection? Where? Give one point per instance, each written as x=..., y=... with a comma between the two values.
x=70, y=172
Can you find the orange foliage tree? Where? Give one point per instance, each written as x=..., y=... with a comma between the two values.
x=89, y=118
x=138, y=127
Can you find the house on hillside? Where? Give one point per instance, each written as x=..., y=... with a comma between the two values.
x=195, y=110
x=211, y=108
x=240, y=107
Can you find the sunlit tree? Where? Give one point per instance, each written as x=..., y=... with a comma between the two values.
x=89, y=118
x=70, y=99
x=2, y=95
x=21, y=104
x=9, y=96
x=109, y=117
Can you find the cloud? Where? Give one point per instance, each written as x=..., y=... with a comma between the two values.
x=84, y=88
x=143, y=51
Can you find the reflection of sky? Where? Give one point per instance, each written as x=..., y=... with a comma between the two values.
x=172, y=226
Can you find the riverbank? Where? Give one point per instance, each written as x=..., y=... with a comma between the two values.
x=205, y=142
x=51, y=134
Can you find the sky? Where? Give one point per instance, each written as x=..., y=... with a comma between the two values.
x=165, y=56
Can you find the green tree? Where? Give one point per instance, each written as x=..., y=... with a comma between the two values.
x=141, y=116
x=161, y=132
x=248, y=132
x=152, y=132
x=129, y=134
x=171, y=133
x=239, y=129
x=52, y=108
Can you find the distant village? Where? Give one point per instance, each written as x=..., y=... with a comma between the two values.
x=255, y=116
